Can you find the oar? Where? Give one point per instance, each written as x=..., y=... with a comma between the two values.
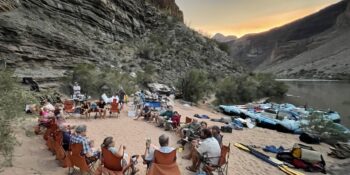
x=268, y=159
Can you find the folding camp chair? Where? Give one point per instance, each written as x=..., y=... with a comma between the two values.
x=188, y=120
x=114, y=108
x=222, y=167
x=61, y=154
x=68, y=108
x=164, y=164
x=110, y=164
x=78, y=160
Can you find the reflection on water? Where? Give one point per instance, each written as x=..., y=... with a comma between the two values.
x=324, y=95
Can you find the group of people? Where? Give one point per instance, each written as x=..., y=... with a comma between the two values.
x=166, y=118
x=91, y=154
x=102, y=106
x=205, y=142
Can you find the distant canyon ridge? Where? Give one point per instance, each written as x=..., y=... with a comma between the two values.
x=316, y=46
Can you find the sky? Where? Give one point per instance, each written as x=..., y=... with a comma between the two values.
x=240, y=17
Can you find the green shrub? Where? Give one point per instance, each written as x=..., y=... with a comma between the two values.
x=93, y=80
x=247, y=88
x=194, y=85
x=146, y=76
x=12, y=102
x=224, y=47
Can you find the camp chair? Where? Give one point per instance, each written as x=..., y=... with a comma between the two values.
x=61, y=154
x=78, y=160
x=68, y=107
x=164, y=164
x=50, y=127
x=222, y=167
x=188, y=120
x=111, y=164
x=114, y=108
x=92, y=110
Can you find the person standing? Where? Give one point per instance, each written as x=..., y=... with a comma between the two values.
x=121, y=98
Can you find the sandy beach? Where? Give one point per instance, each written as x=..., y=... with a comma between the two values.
x=32, y=157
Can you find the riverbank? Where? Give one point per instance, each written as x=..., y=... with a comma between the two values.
x=32, y=156
x=319, y=94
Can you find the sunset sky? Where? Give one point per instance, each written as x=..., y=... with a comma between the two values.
x=240, y=17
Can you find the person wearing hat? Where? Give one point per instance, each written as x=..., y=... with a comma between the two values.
x=80, y=138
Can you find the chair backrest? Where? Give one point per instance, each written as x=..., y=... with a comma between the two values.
x=164, y=158
x=111, y=161
x=114, y=106
x=178, y=121
x=76, y=157
x=188, y=120
x=224, y=156
x=58, y=136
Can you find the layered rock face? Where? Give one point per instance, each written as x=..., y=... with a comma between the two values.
x=317, y=46
x=168, y=6
x=46, y=38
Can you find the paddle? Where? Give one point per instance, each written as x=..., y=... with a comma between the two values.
x=268, y=159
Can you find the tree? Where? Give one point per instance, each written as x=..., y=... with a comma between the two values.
x=194, y=85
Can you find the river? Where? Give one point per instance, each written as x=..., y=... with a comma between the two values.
x=320, y=94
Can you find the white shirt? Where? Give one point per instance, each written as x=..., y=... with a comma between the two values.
x=211, y=147
x=76, y=89
x=49, y=107
x=114, y=97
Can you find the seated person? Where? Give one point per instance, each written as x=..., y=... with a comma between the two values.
x=80, y=137
x=174, y=121
x=85, y=109
x=66, y=137
x=45, y=117
x=146, y=113
x=216, y=134
x=149, y=152
x=195, y=139
x=190, y=130
x=48, y=106
x=164, y=116
x=32, y=109
x=109, y=144
x=57, y=111
x=208, y=150
x=101, y=108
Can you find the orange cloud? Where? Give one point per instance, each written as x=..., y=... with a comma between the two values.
x=260, y=24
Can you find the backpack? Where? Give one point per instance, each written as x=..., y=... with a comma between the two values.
x=226, y=129
x=309, y=138
x=307, y=158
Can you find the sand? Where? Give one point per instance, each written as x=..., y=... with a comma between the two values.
x=32, y=156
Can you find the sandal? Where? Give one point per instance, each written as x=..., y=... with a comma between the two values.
x=189, y=168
